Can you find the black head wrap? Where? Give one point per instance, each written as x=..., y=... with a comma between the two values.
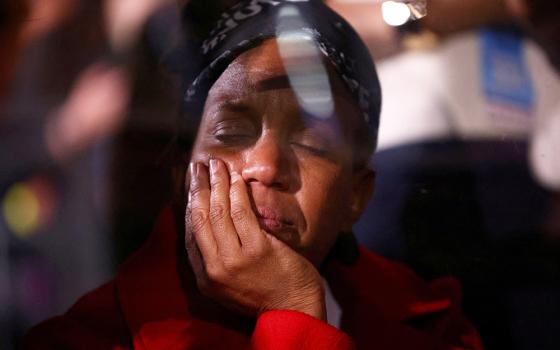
x=248, y=23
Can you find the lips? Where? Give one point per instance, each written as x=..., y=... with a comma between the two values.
x=272, y=220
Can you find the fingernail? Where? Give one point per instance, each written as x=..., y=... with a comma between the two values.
x=190, y=180
x=198, y=170
x=213, y=166
x=191, y=171
x=234, y=177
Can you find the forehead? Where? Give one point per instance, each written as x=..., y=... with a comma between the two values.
x=264, y=69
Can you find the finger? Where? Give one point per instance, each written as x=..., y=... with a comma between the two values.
x=226, y=237
x=197, y=217
x=197, y=263
x=195, y=257
x=243, y=217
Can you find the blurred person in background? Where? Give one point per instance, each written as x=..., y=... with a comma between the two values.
x=74, y=108
x=288, y=165
x=542, y=21
x=468, y=186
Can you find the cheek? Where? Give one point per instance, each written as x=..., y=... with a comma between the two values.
x=325, y=202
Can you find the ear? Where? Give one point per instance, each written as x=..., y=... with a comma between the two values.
x=363, y=184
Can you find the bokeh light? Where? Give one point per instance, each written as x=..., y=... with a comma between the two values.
x=28, y=206
x=21, y=210
x=395, y=13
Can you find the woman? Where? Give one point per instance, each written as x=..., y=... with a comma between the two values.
x=288, y=101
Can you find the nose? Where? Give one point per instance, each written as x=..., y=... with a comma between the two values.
x=269, y=163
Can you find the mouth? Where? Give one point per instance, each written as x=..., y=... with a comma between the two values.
x=272, y=221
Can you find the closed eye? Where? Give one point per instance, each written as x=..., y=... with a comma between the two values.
x=312, y=141
x=233, y=132
x=232, y=138
x=321, y=152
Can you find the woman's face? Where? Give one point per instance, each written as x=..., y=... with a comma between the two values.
x=298, y=167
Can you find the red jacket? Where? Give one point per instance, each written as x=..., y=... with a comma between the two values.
x=149, y=306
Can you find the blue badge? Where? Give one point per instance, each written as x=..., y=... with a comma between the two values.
x=506, y=80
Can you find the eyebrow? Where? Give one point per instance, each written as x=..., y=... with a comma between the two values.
x=274, y=83
x=234, y=106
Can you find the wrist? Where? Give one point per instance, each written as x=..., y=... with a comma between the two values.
x=315, y=308
x=310, y=302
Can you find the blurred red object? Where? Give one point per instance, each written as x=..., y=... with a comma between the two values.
x=12, y=17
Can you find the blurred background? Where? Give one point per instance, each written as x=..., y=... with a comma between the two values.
x=468, y=165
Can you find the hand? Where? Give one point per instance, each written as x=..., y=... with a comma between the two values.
x=235, y=262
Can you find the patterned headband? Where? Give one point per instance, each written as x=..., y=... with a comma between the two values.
x=310, y=27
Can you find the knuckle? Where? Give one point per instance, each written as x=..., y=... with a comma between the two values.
x=231, y=265
x=256, y=250
x=238, y=213
x=215, y=273
x=216, y=181
x=195, y=190
x=217, y=212
x=197, y=219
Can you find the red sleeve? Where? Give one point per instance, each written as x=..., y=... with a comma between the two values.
x=94, y=322
x=387, y=306
x=292, y=330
